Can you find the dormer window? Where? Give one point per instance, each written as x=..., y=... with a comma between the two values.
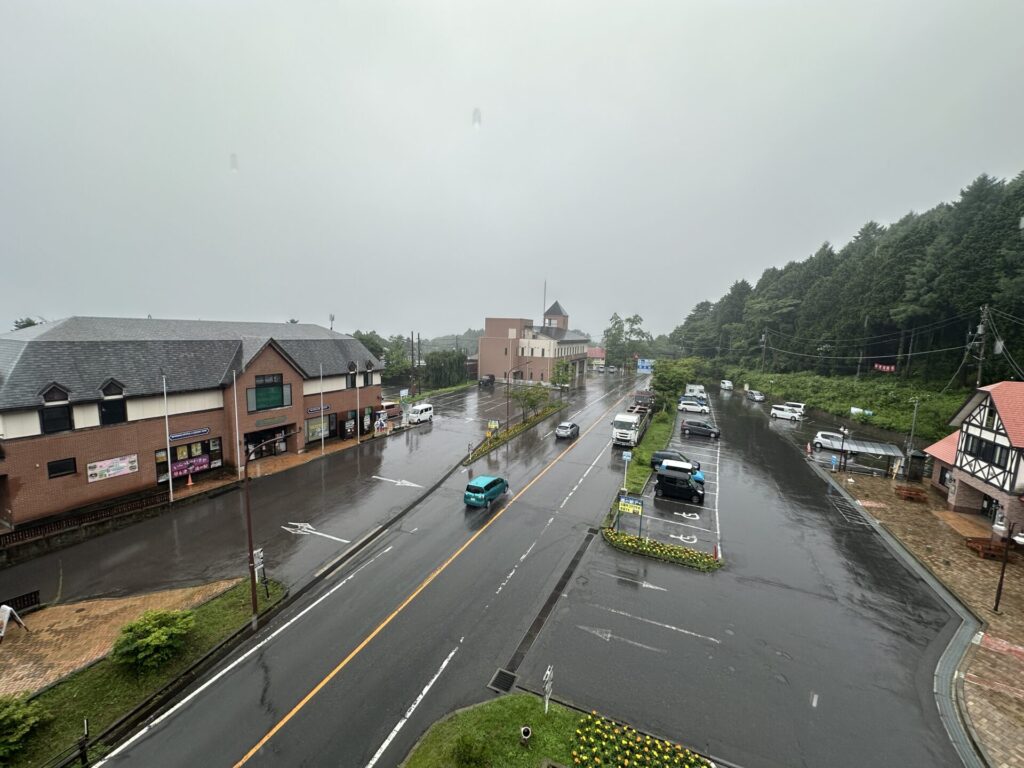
x=55, y=415
x=55, y=394
x=112, y=389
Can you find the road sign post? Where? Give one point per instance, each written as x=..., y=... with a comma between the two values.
x=627, y=456
x=549, y=682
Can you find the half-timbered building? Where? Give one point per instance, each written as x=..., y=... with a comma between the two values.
x=980, y=466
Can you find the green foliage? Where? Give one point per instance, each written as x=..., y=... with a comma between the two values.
x=659, y=550
x=562, y=375
x=902, y=294
x=656, y=438
x=444, y=369
x=604, y=742
x=18, y=717
x=24, y=322
x=469, y=751
x=153, y=639
x=529, y=397
x=374, y=344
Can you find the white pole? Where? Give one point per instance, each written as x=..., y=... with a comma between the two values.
x=322, y=425
x=238, y=441
x=167, y=435
x=359, y=415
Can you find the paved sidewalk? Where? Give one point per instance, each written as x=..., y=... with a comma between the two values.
x=64, y=638
x=993, y=671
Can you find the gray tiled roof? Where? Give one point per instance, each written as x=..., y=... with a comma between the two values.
x=556, y=309
x=559, y=334
x=82, y=353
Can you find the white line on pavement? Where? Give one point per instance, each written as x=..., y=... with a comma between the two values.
x=644, y=584
x=412, y=708
x=607, y=636
x=658, y=624
x=241, y=658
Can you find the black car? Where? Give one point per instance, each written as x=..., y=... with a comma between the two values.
x=700, y=427
x=678, y=485
x=659, y=456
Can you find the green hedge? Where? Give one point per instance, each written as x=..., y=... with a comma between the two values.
x=501, y=438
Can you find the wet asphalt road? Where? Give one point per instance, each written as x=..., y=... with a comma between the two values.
x=813, y=647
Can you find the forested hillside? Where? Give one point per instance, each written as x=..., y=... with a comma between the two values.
x=908, y=295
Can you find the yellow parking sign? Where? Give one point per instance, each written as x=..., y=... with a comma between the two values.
x=630, y=505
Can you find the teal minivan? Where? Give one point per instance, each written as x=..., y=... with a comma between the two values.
x=482, y=490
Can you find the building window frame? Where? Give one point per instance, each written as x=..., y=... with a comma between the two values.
x=269, y=393
x=113, y=410
x=50, y=421
x=61, y=468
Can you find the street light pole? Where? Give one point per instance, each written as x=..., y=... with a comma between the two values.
x=842, y=448
x=1002, y=570
x=248, y=525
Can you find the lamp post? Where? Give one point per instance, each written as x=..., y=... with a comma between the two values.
x=248, y=523
x=1002, y=570
x=842, y=447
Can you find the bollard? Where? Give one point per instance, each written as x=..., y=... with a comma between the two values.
x=524, y=734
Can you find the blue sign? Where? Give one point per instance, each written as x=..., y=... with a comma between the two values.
x=190, y=433
x=627, y=455
x=645, y=365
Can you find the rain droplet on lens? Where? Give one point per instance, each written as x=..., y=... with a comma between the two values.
x=478, y=119
x=234, y=162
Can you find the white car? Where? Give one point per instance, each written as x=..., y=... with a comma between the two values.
x=725, y=385
x=785, y=412
x=692, y=406
x=830, y=441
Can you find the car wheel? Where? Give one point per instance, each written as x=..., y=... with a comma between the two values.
x=658, y=492
x=715, y=435
x=695, y=498
x=774, y=416
x=817, y=446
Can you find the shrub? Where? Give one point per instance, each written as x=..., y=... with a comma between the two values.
x=17, y=717
x=153, y=639
x=469, y=752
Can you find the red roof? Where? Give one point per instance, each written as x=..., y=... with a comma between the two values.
x=945, y=449
x=595, y=353
x=1008, y=397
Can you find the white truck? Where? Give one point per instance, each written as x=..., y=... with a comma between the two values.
x=695, y=390
x=628, y=427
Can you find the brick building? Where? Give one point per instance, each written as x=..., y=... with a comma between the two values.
x=515, y=348
x=85, y=416
x=979, y=467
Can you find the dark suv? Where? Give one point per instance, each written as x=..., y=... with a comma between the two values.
x=659, y=456
x=679, y=485
x=700, y=427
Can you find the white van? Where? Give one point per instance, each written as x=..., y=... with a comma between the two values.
x=421, y=412
x=785, y=412
x=798, y=407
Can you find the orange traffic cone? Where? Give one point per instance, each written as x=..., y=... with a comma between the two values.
x=189, y=484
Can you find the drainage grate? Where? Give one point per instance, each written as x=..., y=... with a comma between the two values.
x=502, y=681
x=849, y=512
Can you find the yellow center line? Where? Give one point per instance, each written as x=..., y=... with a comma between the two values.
x=412, y=596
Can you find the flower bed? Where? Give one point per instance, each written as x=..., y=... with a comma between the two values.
x=659, y=550
x=604, y=742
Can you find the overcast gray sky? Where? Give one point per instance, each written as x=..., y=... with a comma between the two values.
x=260, y=161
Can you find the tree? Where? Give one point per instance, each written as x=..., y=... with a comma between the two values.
x=397, y=365
x=372, y=341
x=562, y=375
x=292, y=320
x=614, y=340
x=444, y=369
x=24, y=322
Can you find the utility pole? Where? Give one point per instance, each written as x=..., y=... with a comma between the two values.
x=913, y=425
x=861, y=358
x=981, y=342
x=764, y=346
x=412, y=364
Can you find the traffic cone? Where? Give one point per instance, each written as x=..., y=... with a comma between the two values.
x=189, y=484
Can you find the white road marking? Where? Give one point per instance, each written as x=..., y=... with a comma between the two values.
x=644, y=584
x=412, y=708
x=687, y=515
x=241, y=658
x=684, y=525
x=403, y=483
x=657, y=624
x=607, y=636
x=684, y=539
x=814, y=701
x=305, y=529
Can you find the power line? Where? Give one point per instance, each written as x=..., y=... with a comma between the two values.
x=1005, y=351
x=866, y=357
x=881, y=338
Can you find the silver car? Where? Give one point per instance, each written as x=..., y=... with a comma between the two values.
x=567, y=429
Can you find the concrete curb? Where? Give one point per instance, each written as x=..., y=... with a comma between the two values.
x=947, y=679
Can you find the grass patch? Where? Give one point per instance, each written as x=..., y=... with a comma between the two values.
x=490, y=734
x=655, y=439
x=501, y=438
x=659, y=550
x=441, y=391
x=105, y=691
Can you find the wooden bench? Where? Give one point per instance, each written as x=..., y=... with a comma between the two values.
x=911, y=494
x=986, y=548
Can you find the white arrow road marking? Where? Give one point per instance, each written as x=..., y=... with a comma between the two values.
x=684, y=539
x=644, y=584
x=657, y=624
x=404, y=483
x=607, y=636
x=412, y=708
x=304, y=529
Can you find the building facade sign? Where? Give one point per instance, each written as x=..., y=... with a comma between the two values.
x=316, y=409
x=190, y=465
x=107, y=468
x=271, y=421
x=190, y=433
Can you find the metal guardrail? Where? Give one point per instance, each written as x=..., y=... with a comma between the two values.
x=24, y=602
x=22, y=535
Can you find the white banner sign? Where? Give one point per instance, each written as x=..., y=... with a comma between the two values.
x=122, y=465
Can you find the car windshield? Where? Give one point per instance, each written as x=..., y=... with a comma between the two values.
x=619, y=424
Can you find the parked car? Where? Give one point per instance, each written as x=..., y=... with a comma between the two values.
x=600, y=369
x=421, y=412
x=659, y=456
x=700, y=427
x=830, y=441
x=481, y=491
x=785, y=412
x=683, y=467
x=753, y=394
x=486, y=381
x=692, y=406
x=567, y=429
x=679, y=485
x=725, y=385
x=612, y=369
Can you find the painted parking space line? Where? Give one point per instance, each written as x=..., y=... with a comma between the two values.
x=644, y=584
x=680, y=630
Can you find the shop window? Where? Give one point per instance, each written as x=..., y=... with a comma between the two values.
x=270, y=392
x=61, y=467
x=55, y=418
x=113, y=411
